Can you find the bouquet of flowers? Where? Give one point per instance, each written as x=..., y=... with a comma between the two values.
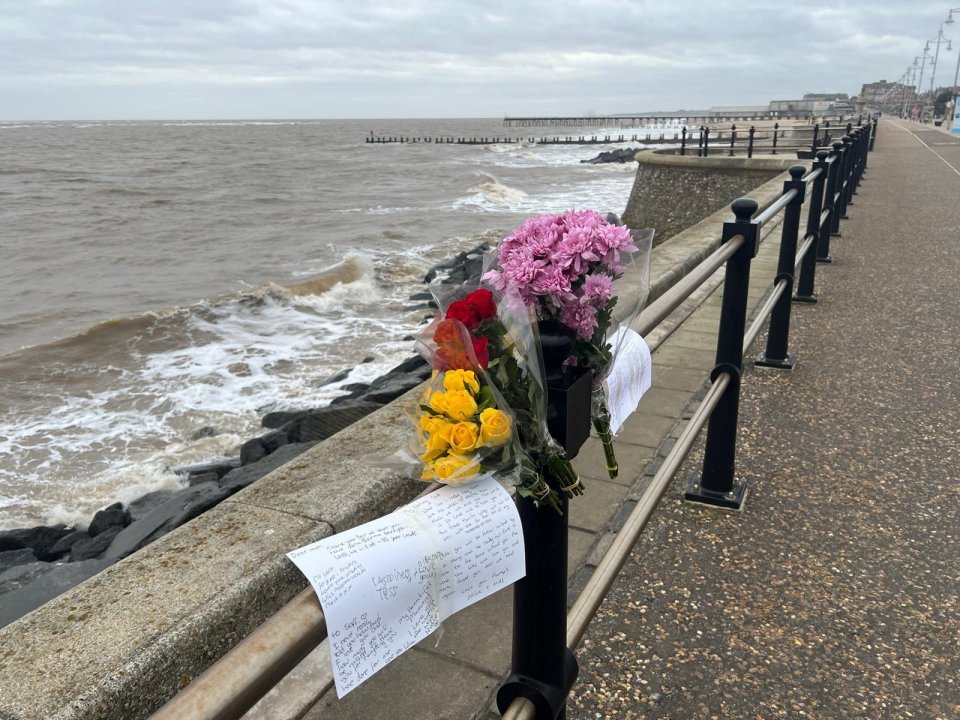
x=564, y=267
x=485, y=408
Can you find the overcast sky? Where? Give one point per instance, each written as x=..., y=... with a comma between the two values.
x=138, y=59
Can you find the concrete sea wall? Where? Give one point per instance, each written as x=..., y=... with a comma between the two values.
x=123, y=642
x=673, y=192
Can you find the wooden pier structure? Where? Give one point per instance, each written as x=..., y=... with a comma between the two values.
x=694, y=117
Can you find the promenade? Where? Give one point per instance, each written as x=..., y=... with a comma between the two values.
x=833, y=593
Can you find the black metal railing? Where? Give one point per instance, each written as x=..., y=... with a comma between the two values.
x=544, y=666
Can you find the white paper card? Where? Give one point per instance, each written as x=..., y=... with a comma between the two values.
x=631, y=375
x=386, y=585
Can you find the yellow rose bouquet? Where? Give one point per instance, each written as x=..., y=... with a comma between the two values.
x=485, y=408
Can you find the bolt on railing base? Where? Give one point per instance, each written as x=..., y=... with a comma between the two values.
x=836, y=234
x=787, y=363
x=829, y=258
x=812, y=299
x=732, y=500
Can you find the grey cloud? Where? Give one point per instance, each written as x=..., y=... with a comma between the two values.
x=371, y=57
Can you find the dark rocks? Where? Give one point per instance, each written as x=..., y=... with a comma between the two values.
x=236, y=480
x=113, y=516
x=178, y=509
x=614, y=156
x=38, y=583
x=141, y=506
x=220, y=467
x=39, y=539
x=465, y=268
x=94, y=546
x=66, y=543
x=205, y=432
x=12, y=558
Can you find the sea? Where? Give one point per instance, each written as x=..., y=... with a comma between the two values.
x=162, y=279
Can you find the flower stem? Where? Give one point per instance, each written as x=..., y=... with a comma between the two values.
x=602, y=425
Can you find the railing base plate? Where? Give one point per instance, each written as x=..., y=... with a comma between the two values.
x=826, y=260
x=811, y=299
x=787, y=363
x=732, y=500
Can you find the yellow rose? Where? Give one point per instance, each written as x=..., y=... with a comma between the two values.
x=494, y=427
x=461, y=380
x=463, y=437
x=438, y=402
x=457, y=404
x=435, y=425
x=436, y=445
x=455, y=468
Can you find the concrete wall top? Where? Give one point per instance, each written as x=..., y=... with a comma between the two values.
x=668, y=158
x=122, y=643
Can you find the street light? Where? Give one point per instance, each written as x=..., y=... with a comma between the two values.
x=923, y=64
x=940, y=38
x=949, y=21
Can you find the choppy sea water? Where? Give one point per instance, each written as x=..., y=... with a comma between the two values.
x=167, y=276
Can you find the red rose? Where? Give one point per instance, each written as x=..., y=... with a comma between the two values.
x=464, y=312
x=482, y=301
x=481, y=351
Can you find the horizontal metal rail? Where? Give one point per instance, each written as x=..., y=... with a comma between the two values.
x=235, y=682
x=616, y=556
x=780, y=203
x=761, y=317
x=808, y=242
x=232, y=685
x=657, y=311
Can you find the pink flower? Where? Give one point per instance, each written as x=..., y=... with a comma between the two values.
x=597, y=287
x=582, y=318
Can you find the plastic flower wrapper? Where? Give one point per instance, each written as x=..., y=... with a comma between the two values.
x=501, y=334
x=570, y=268
x=464, y=426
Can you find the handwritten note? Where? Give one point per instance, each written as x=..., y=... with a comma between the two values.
x=386, y=585
x=631, y=375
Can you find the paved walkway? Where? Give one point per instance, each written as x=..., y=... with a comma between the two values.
x=833, y=594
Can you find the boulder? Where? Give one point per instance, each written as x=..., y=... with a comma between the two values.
x=12, y=558
x=614, y=156
x=238, y=479
x=94, y=546
x=40, y=585
x=180, y=507
x=113, y=516
x=202, y=478
x=319, y=424
x=279, y=418
x=22, y=575
x=221, y=467
x=143, y=505
x=40, y=539
x=66, y=543
x=205, y=432
x=252, y=451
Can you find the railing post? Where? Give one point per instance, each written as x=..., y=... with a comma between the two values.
x=808, y=268
x=865, y=149
x=543, y=668
x=733, y=138
x=706, y=140
x=855, y=157
x=836, y=199
x=776, y=355
x=776, y=130
x=873, y=135
x=716, y=484
x=816, y=133
x=700, y=143
x=683, y=140
x=750, y=144
x=845, y=182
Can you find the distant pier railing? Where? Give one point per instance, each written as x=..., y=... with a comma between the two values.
x=651, y=119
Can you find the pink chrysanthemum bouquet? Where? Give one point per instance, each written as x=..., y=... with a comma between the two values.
x=565, y=266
